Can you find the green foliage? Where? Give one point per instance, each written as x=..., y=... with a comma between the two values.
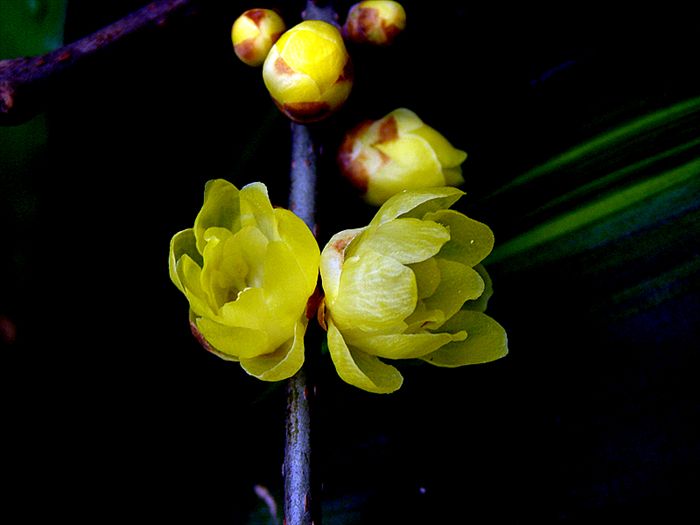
x=30, y=27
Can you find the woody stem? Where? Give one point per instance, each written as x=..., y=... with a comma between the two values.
x=299, y=502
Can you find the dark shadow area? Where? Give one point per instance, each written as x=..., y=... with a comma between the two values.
x=112, y=411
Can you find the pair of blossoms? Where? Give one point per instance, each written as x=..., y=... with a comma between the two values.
x=409, y=285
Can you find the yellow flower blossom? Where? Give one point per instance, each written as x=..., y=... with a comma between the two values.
x=409, y=285
x=398, y=152
x=247, y=270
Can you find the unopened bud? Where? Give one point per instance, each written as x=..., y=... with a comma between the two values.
x=375, y=22
x=253, y=34
x=398, y=152
x=308, y=71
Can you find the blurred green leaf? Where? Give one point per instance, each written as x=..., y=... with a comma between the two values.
x=30, y=27
x=634, y=177
x=619, y=213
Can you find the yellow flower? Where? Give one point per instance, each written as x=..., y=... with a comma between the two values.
x=253, y=34
x=409, y=285
x=398, y=152
x=375, y=22
x=247, y=271
x=308, y=71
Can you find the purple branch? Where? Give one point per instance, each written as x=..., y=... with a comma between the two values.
x=301, y=507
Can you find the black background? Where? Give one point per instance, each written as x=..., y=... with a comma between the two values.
x=112, y=411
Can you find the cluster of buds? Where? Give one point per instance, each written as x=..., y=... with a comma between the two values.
x=307, y=69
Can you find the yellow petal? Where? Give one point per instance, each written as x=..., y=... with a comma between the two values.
x=458, y=284
x=470, y=241
x=406, y=120
x=331, y=262
x=453, y=176
x=221, y=208
x=233, y=340
x=416, y=203
x=407, y=240
x=404, y=346
x=283, y=362
x=284, y=282
x=375, y=292
x=479, y=305
x=360, y=369
x=247, y=310
x=189, y=273
x=316, y=49
x=413, y=164
x=182, y=243
x=249, y=244
x=448, y=155
x=257, y=211
x=427, y=277
x=295, y=234
x=486, y=341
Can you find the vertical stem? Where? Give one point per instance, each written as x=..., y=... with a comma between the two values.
x=302, y=194
x=299, y=501
x=300, y=505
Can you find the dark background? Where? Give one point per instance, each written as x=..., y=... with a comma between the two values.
x=112, y=411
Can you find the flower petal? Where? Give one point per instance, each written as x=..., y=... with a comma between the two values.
x=233, y=340
x=416, y=203
x=221, y=208
x=182, y=243
x=427, y=277
x=458, y=284
x=479, y=305
x=470, y=241
x=247, y=310
x=447, y=154
x=332, y=259
x=406, y=120
x=257, y=211
x=375, y=292
x=407, y=240
x=295, y=234
x=413, y=164
x=283, y=362
x=360, y=369
x=189, y=274
x=453, y=176
x=284, y=282
x=405, y=346
x=486, y=341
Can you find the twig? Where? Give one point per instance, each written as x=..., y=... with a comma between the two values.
x=301, y=506
x=24, y=81
x=299, y=501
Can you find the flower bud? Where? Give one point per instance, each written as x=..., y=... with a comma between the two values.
x=409, y=286
x=308, y=71
x=375, y=22
x=253, y=34
x=247, y=270
x=398, y=152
